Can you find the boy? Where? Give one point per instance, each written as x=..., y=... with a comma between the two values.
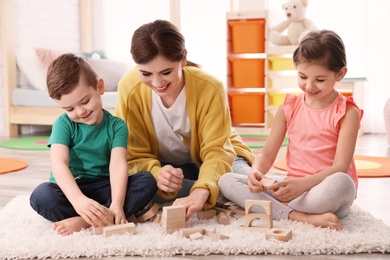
x=89, y=182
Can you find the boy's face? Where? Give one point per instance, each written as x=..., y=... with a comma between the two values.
x=84, y=104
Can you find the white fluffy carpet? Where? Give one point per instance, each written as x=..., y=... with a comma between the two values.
x=26, y=235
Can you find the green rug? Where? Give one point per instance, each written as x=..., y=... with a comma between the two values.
x=257, y=141
x=27, y=143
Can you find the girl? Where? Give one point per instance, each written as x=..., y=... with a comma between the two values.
x=322, y=126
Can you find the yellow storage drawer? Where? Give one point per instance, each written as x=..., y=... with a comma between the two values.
x=280, y=63
x=276, y=98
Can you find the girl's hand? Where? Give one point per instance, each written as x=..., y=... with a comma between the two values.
x=289, y=189
x=253, y=181
x=170, y=179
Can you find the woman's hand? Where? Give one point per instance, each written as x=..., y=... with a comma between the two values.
x=253, y=181
x=193, y=202
x=170, y=179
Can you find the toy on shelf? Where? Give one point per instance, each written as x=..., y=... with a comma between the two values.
x=297, y=25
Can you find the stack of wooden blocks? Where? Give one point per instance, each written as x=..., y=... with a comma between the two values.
x=173, y=218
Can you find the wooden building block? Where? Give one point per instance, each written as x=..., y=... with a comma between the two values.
x=109, y=222
x=186, y=232
x=250, y=216
x=217, y=236
x=267, y=219
x=157, y=218
x=267, y=182
x=173, y=222
x=223, y=218
x=255, y=229
x=173, y=218
x=263, y=203
x=209, y=231
x=151, y=212
x=214, y=235
x=132, y=218
x=226, y=211
x=283, y=235
x=97, y=230
x=174, y=211
x=196, y=236
x=119, y=229
x=206, y=214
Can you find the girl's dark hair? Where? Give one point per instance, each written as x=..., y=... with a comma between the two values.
x=324, y=47
x=160, y=37
x=65, y=72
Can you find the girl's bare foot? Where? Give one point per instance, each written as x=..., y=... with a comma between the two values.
x=319, y=220
x=70, y=225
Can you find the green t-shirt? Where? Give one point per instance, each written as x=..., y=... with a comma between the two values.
x=89, y=145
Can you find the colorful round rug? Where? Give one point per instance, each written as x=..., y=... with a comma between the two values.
x=257, y=141
x=11, y=165
x=27, y=143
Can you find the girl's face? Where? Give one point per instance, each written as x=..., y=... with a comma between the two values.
x=317, y=82
x=164, y=77
x=84, y=104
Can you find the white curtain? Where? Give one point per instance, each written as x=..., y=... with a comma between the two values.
x=377, y=37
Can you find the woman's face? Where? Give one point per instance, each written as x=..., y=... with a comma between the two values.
x=164, y=77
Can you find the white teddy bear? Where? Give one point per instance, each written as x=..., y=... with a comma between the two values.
x=296, y=24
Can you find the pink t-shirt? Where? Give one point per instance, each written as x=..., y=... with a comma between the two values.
x=313, y=135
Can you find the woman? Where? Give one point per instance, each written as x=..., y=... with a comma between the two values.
x=178, y=120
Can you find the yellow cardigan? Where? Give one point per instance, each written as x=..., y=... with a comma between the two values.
x=214, y=143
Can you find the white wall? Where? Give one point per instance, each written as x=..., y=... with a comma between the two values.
x=116, y=20
x=43, y=23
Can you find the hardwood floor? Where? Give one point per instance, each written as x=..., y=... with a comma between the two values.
x=373, y=193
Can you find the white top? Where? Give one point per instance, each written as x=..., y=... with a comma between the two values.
x=173, y=130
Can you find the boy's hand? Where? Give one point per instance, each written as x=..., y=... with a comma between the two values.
x=170, y=179
x=118, y=215
x=91, y=211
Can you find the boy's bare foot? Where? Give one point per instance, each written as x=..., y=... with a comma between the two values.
x=68, y=226
x=319, y=220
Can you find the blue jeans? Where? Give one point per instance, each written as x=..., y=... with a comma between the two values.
x=50, y=202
